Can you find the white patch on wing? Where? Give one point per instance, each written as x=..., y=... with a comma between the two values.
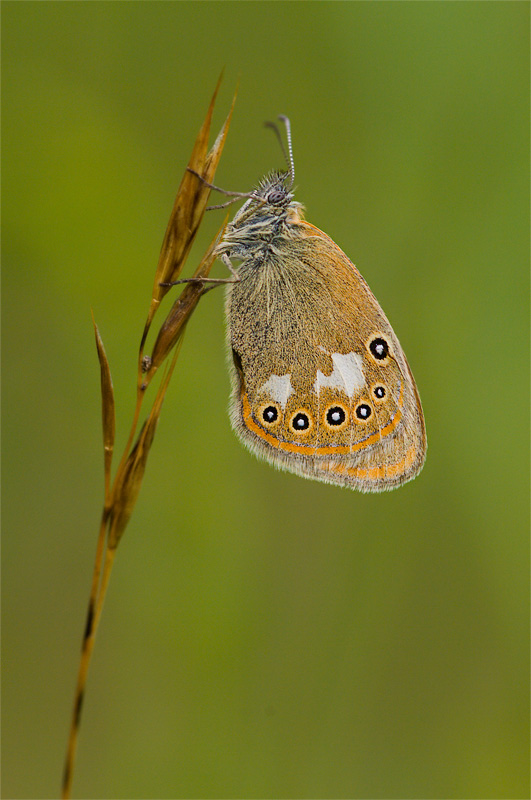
x=278, y=388
x=347, y=374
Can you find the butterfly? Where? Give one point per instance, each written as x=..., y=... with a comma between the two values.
x=320, y=384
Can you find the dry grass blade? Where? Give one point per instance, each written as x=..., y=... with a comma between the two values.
x=214, y=155
x=173, y=327
x=188, y=209
x=128, y=484
x=184, y=218
x=107, y=409
x=199, y=193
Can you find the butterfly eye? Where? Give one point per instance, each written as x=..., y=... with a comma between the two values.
x=363, y=411
x=335, y=416
x=300, y=422
x=379, y=348
x=275, y=197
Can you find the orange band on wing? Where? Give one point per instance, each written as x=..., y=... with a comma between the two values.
x=377, y=473
x=328, y=450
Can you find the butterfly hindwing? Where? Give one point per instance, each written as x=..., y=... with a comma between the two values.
x=321, y=384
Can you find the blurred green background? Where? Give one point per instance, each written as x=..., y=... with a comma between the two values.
x=264, y=635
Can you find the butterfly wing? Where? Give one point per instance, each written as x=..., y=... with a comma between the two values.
x=321, y=386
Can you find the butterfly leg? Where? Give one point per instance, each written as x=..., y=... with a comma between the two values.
x=214, y=281
x=218, y=188
x=228, y=263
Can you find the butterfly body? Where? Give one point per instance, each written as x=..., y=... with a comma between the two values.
x=321, y=386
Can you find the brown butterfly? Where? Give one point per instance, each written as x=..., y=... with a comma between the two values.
x=321, y=386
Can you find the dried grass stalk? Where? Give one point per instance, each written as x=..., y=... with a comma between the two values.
x=121, y=495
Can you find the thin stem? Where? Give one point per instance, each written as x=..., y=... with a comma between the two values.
x=84, y=661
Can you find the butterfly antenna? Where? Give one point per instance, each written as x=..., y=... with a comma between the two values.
x=287, y=123
x=274, y=127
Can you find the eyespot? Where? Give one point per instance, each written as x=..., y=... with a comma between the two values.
x=300, y=422
x=363, y=411
x=269, y=414
x=379, y=391
x=335, y=416
x=379, y=348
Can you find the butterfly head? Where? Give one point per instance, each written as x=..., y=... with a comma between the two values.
x=269, y=208
x=274, y=190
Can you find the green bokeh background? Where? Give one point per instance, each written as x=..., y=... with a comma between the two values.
x=264, y=635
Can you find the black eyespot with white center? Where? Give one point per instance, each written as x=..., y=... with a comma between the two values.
x=363, y=411
x=379, y=348
x=270, y=414
x=379, y=392
x=300, y=422
x=335, y=416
